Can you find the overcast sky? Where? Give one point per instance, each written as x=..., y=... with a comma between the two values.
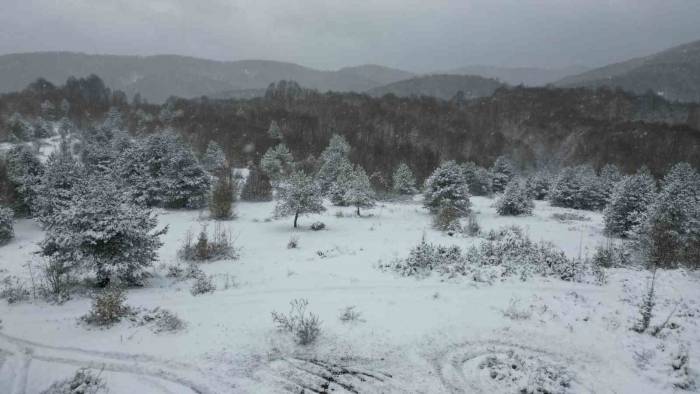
x=419, y=35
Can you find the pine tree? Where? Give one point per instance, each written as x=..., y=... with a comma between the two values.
x=24, y=171
x=214, y=159
x=538, y=185
x=59, y=183
x=502, y=172
x=669, y=232
x=257, y=186
x=404, y=181
x=610, y=175
x=630, y=198
x=478, y=178
x=447, y=185
x=104, y=232
x=222, y=197
x=274, y=131
x=277, y=163
x=359, y=191
x=577, y=187
x=515, y=200
x=19, y=128
x=187, y=184
x=334, y=160
x=339, y=186
x=299, y=195
x=6, y=227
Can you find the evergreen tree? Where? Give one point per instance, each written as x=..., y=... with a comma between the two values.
x=24, y=171
x=359, y=191
x=577, y=187
x=277, y=163
x=447, y=185
x=103, y=232
x=222, y=197
x=274, y=131
x=515, y=200
x=299, y=195
x=334, y=160
x=610, y=175
x=502, y=173
x=538, y=185
x=404, y=181
x=257, y=186
x=19, y=128
x=214, y=159
x=630, y=198
x=339, y=186
x=6, y=227
x=59, y=183
x=478, y=179
x=187, y=184
x=669, y=232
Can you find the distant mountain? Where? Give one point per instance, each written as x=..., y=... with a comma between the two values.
x=161, y=76
x=441, y=86
x=528, y=76
x=673, y=74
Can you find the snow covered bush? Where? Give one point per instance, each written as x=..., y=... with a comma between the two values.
x=299, y=195
x=222, y=197
x=610, y=254
x=629, y=200
x=104, y=232
x=515, y=200
x=305, y=326
x=108, y=307
x=478, y=178
x=202, y=284
x=59, y=183
x=447, y=186
x=538, y=184
x=219, y=247
x=6, y=225
x=646, y=308
x=579, y=188
x=350, y=314
x=293, y=242
x=669, y=232
x=502, y=172
x=162, y=320
x=318, y=226
x=447, y=219
x=277, y=163
x=359, y=192
x=13, y=290
x=404, y=182
x=83, y=382
x=257, y=186
x=505, y=253
x=610, y=175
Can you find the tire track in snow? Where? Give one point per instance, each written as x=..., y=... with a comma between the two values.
x=21, y=352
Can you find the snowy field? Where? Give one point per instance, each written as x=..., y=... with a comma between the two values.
x=429, y=335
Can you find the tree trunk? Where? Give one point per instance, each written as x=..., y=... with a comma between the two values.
x=296, y=216
x=358, y=211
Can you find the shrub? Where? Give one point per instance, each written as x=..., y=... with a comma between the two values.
x=202, y=284
x=163, y=320
x=317, y=226
x=220, y=247
x=610, y=255
x=108, y=307
x=350, y=314
x=257, y=186
x=502, y=172
x=472, y=228
x=646, y=308
x=293, y=242
x=6, y=228
x=305, y=326
x=447, y=219
x=13, y=290
x=630, y=198
x=83, y=382
x=579, y=188
x=478, y=178
x=515, y=200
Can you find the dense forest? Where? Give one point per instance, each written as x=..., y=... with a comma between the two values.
x=534, y=126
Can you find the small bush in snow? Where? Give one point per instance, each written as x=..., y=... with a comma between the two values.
x=515, y=312
x=6, y=229
x=220, y=247
x=163, y=320
x=108, y=307
x=350, y=314
x=515, y=200
x=222, y=197
x=646, y=308
x=202, y=284
x=305, y=326
x=83, y=382
x=447, y=219
x=680, y=369
x=13, y=290
x=293, y=242
x=610, y=254
x=317, y=226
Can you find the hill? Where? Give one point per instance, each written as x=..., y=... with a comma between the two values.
x=673, y=74
x=440, y=86
x=159, y=77
x=528, y=76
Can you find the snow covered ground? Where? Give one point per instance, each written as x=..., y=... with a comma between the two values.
x=428, y=335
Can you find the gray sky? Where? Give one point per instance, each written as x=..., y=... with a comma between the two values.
x=419, y=35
